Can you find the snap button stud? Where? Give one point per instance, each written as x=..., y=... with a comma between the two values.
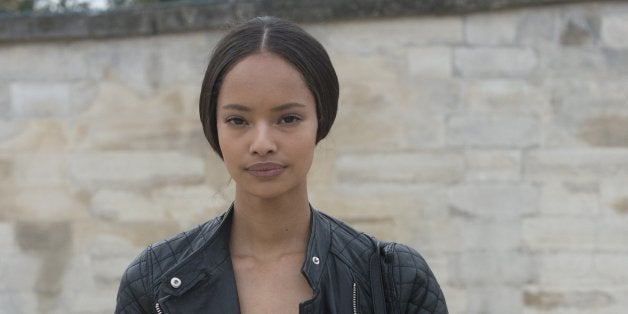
x=316, y=260
x=175, y=282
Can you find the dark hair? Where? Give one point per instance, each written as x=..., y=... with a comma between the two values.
x=286, y=39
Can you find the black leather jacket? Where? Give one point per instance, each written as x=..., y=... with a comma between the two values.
x=192, y=273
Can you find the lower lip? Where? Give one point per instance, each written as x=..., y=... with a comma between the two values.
x=267, y=173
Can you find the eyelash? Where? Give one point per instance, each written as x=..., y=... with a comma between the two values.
x=238, y=121
x=293, y=117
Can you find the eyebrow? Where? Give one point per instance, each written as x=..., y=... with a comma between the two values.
x=287, y=106
x=281, y=107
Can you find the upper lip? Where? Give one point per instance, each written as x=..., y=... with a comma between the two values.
x=265, y=166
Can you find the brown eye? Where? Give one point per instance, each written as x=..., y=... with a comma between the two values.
x=289, y=119
x=235, y=121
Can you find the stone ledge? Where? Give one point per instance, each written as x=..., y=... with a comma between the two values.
x=171, y=18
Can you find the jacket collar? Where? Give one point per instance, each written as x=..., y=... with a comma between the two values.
x=318, y=247
x=210, y=251
x=213, y=250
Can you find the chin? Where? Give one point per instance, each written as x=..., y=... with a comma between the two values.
x=270, y=191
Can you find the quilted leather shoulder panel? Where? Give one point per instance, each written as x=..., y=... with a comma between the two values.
x=414, y=283
x=133, y=292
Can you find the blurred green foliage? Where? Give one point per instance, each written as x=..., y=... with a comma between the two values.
x=24, y=6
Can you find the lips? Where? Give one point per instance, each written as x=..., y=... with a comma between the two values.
x=266, y=169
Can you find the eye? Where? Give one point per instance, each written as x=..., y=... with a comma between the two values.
x=289, y=119
x=237, y=121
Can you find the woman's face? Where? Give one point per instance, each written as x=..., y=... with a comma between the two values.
x=266, y=121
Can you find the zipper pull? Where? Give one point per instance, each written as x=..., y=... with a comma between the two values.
x=355, y=298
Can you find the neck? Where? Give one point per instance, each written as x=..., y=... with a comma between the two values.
x=270, y=228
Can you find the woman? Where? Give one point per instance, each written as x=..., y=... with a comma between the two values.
x=269, y=95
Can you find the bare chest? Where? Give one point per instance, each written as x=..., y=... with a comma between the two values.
x=271, y=287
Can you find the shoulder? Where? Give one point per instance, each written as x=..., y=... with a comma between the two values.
x=135, y=293
x=345, y=240
x=166, y=253
x=413, y=282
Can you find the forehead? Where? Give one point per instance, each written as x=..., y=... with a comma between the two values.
x=263, y=77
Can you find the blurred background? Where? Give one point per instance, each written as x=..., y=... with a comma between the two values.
x=490, y=135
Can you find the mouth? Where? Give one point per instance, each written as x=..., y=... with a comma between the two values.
x=265, y=169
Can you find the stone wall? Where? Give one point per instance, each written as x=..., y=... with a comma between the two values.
x=496, y=143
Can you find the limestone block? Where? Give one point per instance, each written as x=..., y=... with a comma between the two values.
x=46, y=99
x=149, y=133
x=495, y=62
x=109, y=256
x=472, y=235
x=38, y=169
x=576, y=300
x=18, y=302
x=605, y=130
x=617, y=61
x=514, y=96
x=493, y=202
x=576, y=164
x=141, y=168
x=571, y=199
x=572, y=98
x=491, y=29
x=40, y=100
x=493, y=130
x=612, y=235
x=611, y=267
x=560, y=233
x=430, y=62
x=418, y=203
x=388, y=36
x=457, y=297
x=8, y=130
x=538, y=27
x=82, y=292
x=568, y=270
x=416, y=214
x=399, y=168
x=17, y=269
x=576, y=122
x=615, y=30
x=93, y=274
x=50, y=61
x=580, y=28
x=493, y=165
x=492, y=267
x=6, y=167
x=49, y=204
x=614, y=199
x=5, y=107
x=124, y=206
x=46, y=134
x=371, y=89
x=136, y=64
x=190, y=205
x=433, y=97
x=570, y=62
x=21, y=285
x=186, y=65
x=493, y=299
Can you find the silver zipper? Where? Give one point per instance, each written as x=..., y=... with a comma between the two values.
x=355, y=298
x=158, y=308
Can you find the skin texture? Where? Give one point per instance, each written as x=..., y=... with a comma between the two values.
x=266, y=122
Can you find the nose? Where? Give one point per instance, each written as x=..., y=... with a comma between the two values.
x=263, y=141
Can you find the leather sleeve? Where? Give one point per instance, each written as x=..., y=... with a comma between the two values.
x=134, y=292
x=414, y=283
